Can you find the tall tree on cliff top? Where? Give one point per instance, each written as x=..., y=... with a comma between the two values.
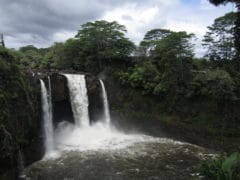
x=148, y=44
x=104, y=41
x=237, y=23
x=173, y=56
x=219, y=40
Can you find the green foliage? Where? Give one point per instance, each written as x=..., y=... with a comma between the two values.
x=237, y=26
x=96, y=44
x=18, y=112
x=103, y=42
x=222, y=168
x=219, y=40
x=143, y=76
x=30, y=56
x=28, y=48
x=170, y=69
x=175, y=45
x=71, y=57
x=215, y=84
x=53, y=57
x=151, y=38
x=163, y=66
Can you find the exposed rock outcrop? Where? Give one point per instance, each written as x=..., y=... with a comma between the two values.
x=62, y=110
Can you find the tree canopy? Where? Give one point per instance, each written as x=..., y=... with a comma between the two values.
x=104, y=41
x=218, y=2
x=151, y=38
x=219, y=40
x=237, y=24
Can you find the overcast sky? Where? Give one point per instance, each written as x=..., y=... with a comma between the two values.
x=43, y=22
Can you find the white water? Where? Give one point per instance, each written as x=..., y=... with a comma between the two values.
x=79, y=99
x=50, y=103
x=47, y=119
x=21, y=165
x=105, y=104
x=83, y=137
x=99, y=137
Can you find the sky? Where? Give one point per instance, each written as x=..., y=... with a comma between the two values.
x=43, y=22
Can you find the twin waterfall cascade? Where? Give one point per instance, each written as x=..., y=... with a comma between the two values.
x=47, y=118
x=79, y=99
x=80, y=135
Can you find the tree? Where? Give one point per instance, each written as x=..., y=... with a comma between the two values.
x=218, y=2
x=219, y=40
x=30, y=56
x=144, y=76
x=103, y=42
x=28, y=48
x=54, y=57
x=173, y=56
x=174, y=47
x=215, y=84
x=237, y=22
x=72, y=57
x=151, y=38
x=167, y=69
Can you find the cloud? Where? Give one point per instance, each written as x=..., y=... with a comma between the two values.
x=141, y=17
x=192, y=16
x=36, y=22
x=138, y=21
x=43, y=22
x=195, y=18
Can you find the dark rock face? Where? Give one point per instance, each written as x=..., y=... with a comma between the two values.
x=62, y=110
x=133, y=112
x=94, y=98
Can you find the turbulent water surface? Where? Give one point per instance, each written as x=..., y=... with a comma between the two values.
x=101, y=153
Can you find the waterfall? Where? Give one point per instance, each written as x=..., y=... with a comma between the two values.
x=47, y=117
x=50, y=101
x=79, y=98
x=21, y=165
x=105, y=104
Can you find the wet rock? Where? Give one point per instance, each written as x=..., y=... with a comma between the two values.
x=62, y=110
x=94, y=98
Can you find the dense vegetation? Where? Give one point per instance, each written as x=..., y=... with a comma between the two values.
x=204, y=93
x=237, y=23
x=163, y=66
x=19, y=123
x=221, y=168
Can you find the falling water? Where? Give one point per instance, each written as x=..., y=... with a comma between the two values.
x=21, y=174
x=105, y=104
x=50, y=100
x=79, y=98
x=47, y=118
x=105, y=152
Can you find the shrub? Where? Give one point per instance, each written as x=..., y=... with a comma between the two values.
x=222, y=168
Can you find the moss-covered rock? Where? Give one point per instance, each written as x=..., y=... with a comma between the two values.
x=19, y=113
x=199, y=121
x=62, y=110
